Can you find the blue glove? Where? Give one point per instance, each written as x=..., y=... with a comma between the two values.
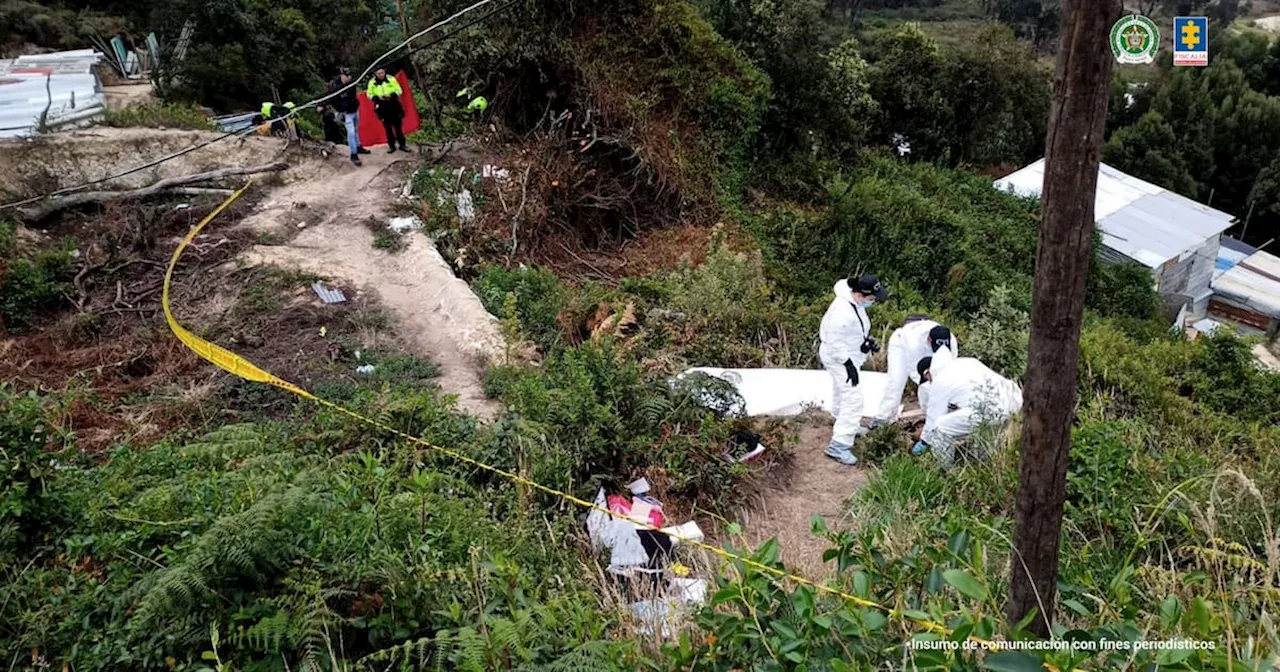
x=920, y=448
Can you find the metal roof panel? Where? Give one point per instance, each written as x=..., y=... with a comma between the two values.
x=1254, y=283
x=1141, y=220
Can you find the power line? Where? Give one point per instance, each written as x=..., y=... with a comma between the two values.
x=353, y=83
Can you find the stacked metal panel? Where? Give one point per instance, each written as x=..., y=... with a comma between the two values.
x=62, y=87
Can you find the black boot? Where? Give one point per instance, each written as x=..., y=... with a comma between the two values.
x=391, y=148
x=361, y=150
x=355, y=158
x=404, y=147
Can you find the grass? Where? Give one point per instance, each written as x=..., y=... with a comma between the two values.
x=384, y=237
x=161, y=115
x=269, y=238
x=263, y=289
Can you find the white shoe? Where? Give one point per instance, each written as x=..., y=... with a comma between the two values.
x=841, y=454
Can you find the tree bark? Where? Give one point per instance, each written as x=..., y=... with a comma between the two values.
x=39, y=211
x=1072, y=152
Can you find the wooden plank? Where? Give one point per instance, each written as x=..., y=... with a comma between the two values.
x=1236, y=314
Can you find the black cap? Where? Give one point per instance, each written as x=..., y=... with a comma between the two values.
x=868, y=285
x=922, y=367
x=344, y=71
x=939, y=337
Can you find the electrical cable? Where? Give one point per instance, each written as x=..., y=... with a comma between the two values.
x=354, y=82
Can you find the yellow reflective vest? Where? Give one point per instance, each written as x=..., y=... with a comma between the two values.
x=384, y=89
x=268, y=109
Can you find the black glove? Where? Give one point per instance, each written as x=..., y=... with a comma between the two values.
x=852, y=370
x=870, y=346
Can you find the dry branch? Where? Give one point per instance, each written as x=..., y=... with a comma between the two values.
x=42, y=210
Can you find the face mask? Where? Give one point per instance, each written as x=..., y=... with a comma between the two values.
x=865, y=304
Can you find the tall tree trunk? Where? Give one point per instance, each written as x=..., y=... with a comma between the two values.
x=1072, y=150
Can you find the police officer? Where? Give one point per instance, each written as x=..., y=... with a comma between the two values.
x=385, y=93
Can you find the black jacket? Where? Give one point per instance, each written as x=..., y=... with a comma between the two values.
x=346, y=101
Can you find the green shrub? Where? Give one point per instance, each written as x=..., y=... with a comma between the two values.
x=31, y=285
x=1122, y=290
x=946, y=234
x=539, y=299
x=8, y=236
x=29, y=445
x=1226, y=378
x=316, y=548
x=161, y=115
x=999, y=334
x=732, y=315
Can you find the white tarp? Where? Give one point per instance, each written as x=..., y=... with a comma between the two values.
x=792, y=391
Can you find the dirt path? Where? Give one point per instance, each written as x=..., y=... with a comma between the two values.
x=438, y=314
x=813, y=484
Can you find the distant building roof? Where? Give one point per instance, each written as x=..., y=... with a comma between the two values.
x=63, y=82
x=1253, y=283
x=1140, y=220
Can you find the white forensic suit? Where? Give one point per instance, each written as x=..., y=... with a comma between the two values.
x=964, y=394
x=844, y=328
x=907, y=346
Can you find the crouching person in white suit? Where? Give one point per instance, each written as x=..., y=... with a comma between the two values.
x=963, y=394
x=909, y=344
x=846, y=344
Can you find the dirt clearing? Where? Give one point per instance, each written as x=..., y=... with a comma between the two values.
x=320, y=226
x=812, y=484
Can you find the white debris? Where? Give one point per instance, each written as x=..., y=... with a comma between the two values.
x=755, y=452
x=1207, y=326
x=367, y=368
x=900, y=144
x=689, y=590
x=402, y=224
x=655, y=617
x=466, y=207
x=326, y=294
x=638, y=486
x=688, y=531
x=495, y=172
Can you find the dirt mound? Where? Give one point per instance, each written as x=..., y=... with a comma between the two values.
x=31, y=166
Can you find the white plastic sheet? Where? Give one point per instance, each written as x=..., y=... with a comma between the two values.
x=792, y=391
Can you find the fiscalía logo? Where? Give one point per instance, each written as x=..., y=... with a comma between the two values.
x=1190, y=40
x=1134, y=40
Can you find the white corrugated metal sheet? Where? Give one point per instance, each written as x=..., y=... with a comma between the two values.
x=1142, y=221
x=62, y=82
x=1253, y=283
x=234, y=123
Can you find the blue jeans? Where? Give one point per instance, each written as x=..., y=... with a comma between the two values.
x=352, y=121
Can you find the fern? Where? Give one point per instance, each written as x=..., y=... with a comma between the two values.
x=414, y=654
x=253, y=544
x=222, y=447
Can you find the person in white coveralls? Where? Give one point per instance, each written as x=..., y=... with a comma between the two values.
x=963, y=395
x=918, y=338
x=846, y=343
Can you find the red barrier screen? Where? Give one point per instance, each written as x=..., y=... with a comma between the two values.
x=371, y=131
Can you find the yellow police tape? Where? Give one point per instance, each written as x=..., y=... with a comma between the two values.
x=239, y=366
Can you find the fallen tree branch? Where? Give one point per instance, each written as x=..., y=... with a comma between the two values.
x=43, y=209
